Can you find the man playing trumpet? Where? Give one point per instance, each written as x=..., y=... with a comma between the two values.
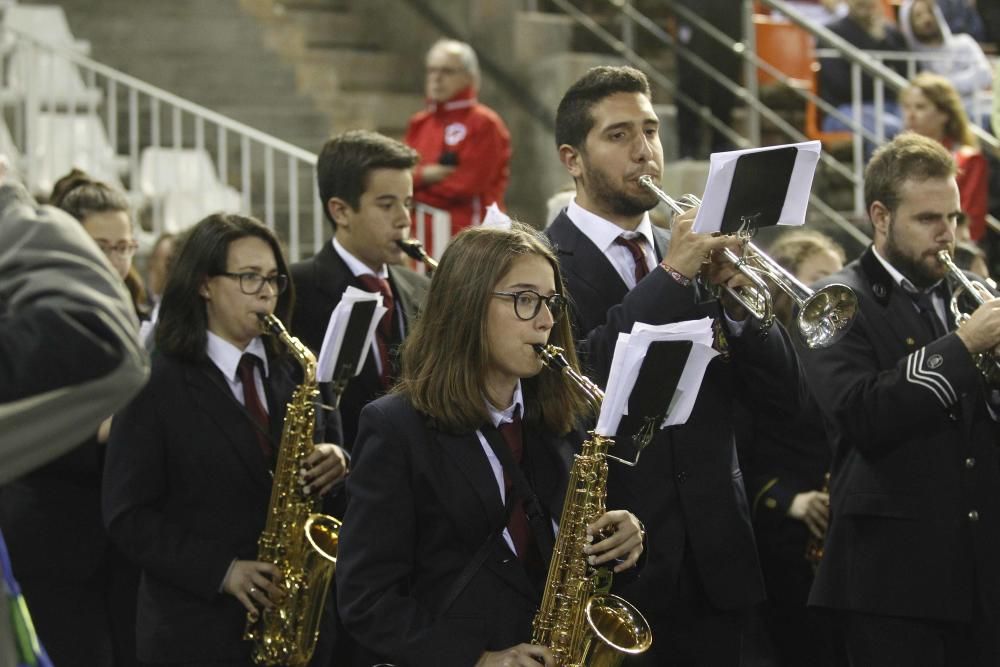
x=911, y=552
x=702, y=572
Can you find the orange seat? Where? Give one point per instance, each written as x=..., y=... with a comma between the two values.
x=791, y=50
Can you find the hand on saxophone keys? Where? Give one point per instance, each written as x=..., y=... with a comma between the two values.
x=326, y=466
x=622, y=535
x=255, y=584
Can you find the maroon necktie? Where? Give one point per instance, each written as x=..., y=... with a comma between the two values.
x=383, y=335
x=253, y=405
x=517, y=526
x=638, y=255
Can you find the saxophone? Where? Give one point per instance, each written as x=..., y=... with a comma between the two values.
x=296, y=538
x=579, y=620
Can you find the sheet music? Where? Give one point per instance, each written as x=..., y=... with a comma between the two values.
x=329, y=353
x=630, y=350
x=720, y=181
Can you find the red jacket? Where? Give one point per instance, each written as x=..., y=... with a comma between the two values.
x=481, y=145
x=973, y=188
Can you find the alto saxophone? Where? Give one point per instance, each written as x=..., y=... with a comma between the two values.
x=296, y=538
x=579, y=620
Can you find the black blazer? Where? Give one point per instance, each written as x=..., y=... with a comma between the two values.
x=916, y=471
x=320, y=281
x=688, y=488
x=422, y=502
x=186, y=491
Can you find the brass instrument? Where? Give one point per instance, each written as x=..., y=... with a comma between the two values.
x=579, y=620
x=415, y=249
x=296, y=538
x=824, y=315
x=815, y=545
x=987, y=363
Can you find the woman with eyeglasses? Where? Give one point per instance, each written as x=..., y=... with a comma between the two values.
x=81, y=590
x=436, y=565
x=188, y=477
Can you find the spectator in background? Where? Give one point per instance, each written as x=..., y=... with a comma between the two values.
x=82, y=598
x=963, y=17
x=956, y=57
x=971, y=257
x=464, y=146
x=931, y=107
x=866, y=28
x=785, y=464
x=69, y=356
x=159, y=263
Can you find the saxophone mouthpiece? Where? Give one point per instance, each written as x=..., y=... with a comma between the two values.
x=415, y=250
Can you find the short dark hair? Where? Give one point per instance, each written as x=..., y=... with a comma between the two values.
x=346, y=160
x=907, y=156
x=181, y=330
x=573, y=117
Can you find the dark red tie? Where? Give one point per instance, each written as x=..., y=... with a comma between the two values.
x=252, y=402
x=383, y=335
x=638, y=255
x=517, y=526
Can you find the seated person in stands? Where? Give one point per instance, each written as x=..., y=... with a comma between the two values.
x=958, y=58
x=931, y=107
x=866, y=28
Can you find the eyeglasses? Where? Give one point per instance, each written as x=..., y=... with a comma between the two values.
x=528, y=302
x=123, y=248
x=252, y=283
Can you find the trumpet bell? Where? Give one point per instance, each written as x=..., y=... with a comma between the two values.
x=827, y=315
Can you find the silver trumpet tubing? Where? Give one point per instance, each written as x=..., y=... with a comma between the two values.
x=988, y=364
x=824, y=316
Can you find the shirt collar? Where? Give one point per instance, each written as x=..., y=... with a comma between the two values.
x=898, y=277
x=506, y=415
x=604, y=232
x=226, y=356
x=463, y=99
x=357, y=267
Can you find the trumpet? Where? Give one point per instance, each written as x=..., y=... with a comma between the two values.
x=987, y=363
x=415, y=249
x=824, y=316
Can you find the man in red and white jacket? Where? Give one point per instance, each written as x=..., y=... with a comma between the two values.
x=464, y=146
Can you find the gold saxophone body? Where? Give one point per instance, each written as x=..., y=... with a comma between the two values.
x=296, y=538
x=579, y=620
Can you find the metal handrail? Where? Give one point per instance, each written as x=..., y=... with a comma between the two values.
x=277, y=155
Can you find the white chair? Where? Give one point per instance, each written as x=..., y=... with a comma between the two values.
x=184, y=186
x=58, y=142
x=52, y=80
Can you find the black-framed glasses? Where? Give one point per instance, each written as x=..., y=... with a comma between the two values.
x=528, y=302
x=252, y=283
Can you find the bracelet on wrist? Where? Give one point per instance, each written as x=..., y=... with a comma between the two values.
x=678, y=277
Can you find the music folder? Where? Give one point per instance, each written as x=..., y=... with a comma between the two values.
x=758, y=187
x=349, y=335
x=656, y=373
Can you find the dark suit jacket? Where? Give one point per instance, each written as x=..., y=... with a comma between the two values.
x=688, y=487
x=186, y=491
x=320, y=281
x=422, y=502
x=916, y=472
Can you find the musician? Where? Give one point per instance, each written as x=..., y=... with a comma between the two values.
x=702, y=572
x=428, y=573
x=911, y=553
x=83, y=599
x=785, y=462
x=366, y=189
x=188, y=475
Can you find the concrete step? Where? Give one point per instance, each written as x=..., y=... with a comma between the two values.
x=386, y=111
x=346, y=69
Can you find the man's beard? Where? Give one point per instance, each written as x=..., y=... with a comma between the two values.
x=913, y=269
x=618, y=202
